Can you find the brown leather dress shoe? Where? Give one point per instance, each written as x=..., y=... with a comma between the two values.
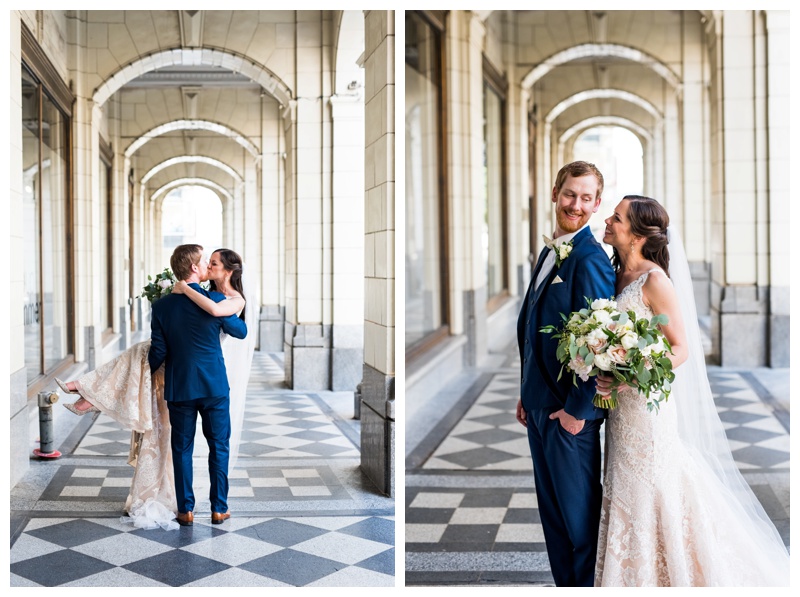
x=219, y=518
x=185, y=519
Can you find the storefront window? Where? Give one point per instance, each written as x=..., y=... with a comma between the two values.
x=493, y=233
x=425, y=239
x=45, y=196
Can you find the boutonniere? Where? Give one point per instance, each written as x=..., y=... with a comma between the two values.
x=562, y=250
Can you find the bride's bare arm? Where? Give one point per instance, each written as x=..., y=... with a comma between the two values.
x=231, y=306
x=660, y=295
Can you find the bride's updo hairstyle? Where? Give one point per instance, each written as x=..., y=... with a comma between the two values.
x=232, y=262
x=650, y=220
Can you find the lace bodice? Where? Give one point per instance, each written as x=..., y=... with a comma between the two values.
x=631, y=297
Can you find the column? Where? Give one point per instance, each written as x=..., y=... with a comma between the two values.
x=348, y=238
x=778, y=225
x=377, y=384
x=273, y=227
x=739, y=306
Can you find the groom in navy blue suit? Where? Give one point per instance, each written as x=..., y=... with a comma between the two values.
x=186, y=339
x=563, y=425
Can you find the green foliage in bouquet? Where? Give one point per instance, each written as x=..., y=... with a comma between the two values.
x=601, y=339
x=158, y=287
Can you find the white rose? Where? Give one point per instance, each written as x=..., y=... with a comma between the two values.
x=564, y=250
x=602, y=304
x=603, y=361
x=601, y=316
x=164, y=284
x=629, y=340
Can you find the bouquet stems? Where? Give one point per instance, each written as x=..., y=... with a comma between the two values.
x=604, y=401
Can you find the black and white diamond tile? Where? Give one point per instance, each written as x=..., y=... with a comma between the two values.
x=308, y=551
x=488, y=437
x=303, y=513
x=277, y=424
x=471, y=512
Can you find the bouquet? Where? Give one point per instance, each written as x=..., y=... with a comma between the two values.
x=159, y=287
x=601, y=339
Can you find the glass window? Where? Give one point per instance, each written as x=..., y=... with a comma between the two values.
x=30, y=202
x=45, y=170
x=493, y=233
x=424, y=240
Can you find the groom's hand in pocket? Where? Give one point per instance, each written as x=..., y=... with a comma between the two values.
x=522, y=416
x=568, y=422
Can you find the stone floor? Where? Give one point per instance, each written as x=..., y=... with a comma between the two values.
x=471, y=516
x=303, y=513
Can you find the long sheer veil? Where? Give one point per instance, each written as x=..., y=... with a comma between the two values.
x=703, y=434
x=238, y=356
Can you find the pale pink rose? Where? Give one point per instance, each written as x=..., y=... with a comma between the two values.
x=617, y=354
x=581, y=369
x=596, y=340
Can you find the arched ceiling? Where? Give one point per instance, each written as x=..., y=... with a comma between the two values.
x=560, y=55
x=222, y=68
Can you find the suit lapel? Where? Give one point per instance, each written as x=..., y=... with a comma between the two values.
x=577, y=239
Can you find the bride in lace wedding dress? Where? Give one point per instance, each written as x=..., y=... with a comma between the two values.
x=125, y=390
x=676, y=511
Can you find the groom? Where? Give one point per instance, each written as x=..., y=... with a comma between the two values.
x=563, y=425
x=186, y=339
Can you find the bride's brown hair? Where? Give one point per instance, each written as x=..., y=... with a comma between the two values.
x=650, y=220
x=232, y=262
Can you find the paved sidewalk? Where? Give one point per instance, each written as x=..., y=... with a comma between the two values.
x=303, y=513
x=471, y=513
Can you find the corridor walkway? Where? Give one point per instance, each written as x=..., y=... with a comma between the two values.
x=471, y=513
x=303, y=514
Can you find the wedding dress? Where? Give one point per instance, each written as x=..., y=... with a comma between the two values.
x=669, y=516
x=125, y=390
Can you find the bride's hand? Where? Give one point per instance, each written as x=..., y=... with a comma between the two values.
x=180, y=287
x=604, y=384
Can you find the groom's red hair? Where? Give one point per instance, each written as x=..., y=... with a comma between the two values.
x=183, y=258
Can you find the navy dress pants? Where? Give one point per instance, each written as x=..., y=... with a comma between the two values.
x=216, y=425
x=567, y=473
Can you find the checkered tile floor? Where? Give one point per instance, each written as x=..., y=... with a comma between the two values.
x=471, y=514
x=303, y=515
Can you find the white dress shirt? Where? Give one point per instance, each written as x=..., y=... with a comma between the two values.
x=550, y=260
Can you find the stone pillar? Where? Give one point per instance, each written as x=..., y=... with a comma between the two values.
x=468, y=293
x=739, y=304
x=779, y=229
x=377, y=385
x=307, y=334
x=694, y=225
x=273, y=227
x=348, y=239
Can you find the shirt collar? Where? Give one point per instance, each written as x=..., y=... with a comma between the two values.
x=570, y=235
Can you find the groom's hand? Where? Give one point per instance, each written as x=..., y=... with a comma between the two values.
x=568, y=422
x=522, y=416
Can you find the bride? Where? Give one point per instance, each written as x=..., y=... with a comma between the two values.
x=676, y=511
x=125, y=390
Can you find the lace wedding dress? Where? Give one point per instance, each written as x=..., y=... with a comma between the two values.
x=125, y=390
x=666, y=518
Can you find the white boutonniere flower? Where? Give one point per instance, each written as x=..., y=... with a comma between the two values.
x=561, y=249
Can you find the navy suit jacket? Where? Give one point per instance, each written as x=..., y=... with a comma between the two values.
x=186, y=339
x=587, y=272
